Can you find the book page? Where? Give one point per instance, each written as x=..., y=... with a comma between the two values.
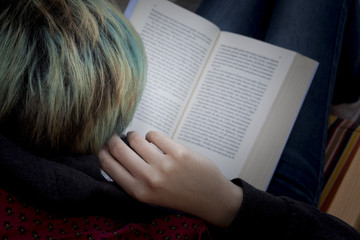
x=177, y=44
x=232, y=100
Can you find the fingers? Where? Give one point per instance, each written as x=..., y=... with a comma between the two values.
x=114, y=169
x=143, y=148
x=138, y=177
x=117, y=157
x=163, y=142
x=125, y=156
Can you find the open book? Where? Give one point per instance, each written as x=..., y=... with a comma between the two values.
x=229, y=97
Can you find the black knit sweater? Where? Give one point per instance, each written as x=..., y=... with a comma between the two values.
x=74, y=186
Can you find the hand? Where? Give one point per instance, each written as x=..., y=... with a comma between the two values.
x=174, y=177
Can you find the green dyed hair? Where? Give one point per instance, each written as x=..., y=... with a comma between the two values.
x=71, y=72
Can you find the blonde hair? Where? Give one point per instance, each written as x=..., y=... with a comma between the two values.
x=71, y=72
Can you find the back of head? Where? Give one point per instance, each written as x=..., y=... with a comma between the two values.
x=71, y=73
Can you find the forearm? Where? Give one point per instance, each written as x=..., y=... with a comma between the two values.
x=179, y=178
x=264, y=215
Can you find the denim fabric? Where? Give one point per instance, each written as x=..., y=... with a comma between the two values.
x=347, y=86
x=315, y=29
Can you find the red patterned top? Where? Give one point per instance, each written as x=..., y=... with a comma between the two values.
x=21, y=221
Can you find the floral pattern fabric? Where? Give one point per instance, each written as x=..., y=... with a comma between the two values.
x=21, y=221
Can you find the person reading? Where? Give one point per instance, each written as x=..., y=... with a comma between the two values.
x=71, y=75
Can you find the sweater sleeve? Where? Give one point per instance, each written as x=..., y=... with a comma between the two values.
x=264, y=215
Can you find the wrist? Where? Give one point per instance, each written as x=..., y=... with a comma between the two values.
x=226, y=204
x=231, y=205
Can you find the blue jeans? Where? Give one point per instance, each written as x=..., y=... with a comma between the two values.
x=317, y=29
